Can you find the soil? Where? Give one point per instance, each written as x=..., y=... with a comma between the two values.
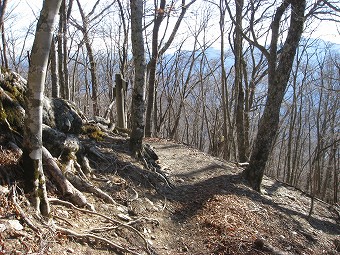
x=196, y=204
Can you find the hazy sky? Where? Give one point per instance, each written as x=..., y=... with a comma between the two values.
x=24, y=12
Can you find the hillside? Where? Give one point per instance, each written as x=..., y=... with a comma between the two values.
x=201, y=207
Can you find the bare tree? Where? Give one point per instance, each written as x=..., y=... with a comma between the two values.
x=33, y=121
x=159, y=15
x=54, y=71
x=279, y=68
x=138, y=100
x=63, y=73
x=3, y=5
x=85, y=28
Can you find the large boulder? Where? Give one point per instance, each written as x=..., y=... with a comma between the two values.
x=58, y=113
x=62, y=115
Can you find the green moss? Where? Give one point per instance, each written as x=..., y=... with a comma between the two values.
x=3, y=115
x=93, y=132
x=8, y=84
x=14, y=118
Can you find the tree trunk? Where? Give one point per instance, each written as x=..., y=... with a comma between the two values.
x=65, y=55
x=240, y=125
x=60, y=40
x=120, y=101
x=152, y=69
x=93, y=65
x=138, y=107
x=54, y=71
x=3, y=5
x=278, y=76
x=33, y=121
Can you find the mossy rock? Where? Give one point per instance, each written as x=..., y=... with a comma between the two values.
x=93, y=132
x=58, y=113
x=11, y=111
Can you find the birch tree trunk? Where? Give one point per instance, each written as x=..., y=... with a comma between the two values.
x=33, y=121
x=138, y=97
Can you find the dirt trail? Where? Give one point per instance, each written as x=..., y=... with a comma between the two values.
x=215, y=213
x=196, y=177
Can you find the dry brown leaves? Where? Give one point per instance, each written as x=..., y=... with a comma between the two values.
x=233, y=225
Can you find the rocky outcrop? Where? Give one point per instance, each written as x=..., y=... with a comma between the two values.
x=57, y=113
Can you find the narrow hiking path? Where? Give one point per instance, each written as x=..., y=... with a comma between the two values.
x=214, y=212
x=196, y=177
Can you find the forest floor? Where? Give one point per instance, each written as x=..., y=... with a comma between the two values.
x=203, y=208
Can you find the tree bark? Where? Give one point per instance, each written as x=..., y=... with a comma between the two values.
x=35, y=95
x=239, y=112
x=138, y=101
x=3, y=5
x=152, y=69
x=54, y=71
x=279, y=69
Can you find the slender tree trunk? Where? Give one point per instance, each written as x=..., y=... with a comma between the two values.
x=54, y=71
x=65, y=55
x=240, y=127
x=3, y=5
x=93, y=65
x=93, y=68
x=60, y=54
x=278, y=76
x=336, y=175
x=152, y=69
x=33, y=121
x=138, y=96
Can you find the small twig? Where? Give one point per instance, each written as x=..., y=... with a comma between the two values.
x=135, y=196
x=143, y=218
x=100, y=179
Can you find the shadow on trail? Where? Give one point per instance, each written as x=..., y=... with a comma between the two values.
x=209, y=168
x=193, y=197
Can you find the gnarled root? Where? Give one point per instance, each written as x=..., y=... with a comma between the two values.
x=68, y=190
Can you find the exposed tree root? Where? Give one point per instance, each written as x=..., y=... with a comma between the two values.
x=68, y=190
x=87, y=186
x=119, y=224
x=148, y=158
x=21, y=212
x=97, y=238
